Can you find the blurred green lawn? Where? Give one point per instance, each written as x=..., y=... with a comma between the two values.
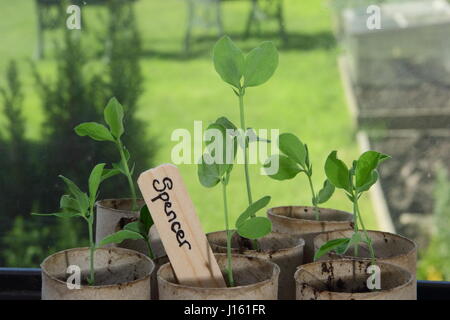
x=304, y=97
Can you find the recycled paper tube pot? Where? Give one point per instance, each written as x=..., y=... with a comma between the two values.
x=283, y=249
x=120, y=274
x=113, y=215
x=300, y=220
x=255, y=279
x=388, y=247
x=346, y=279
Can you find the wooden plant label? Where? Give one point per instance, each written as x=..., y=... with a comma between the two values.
x=179, y=227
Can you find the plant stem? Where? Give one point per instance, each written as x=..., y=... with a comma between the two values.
x=229, y=234
x=128, y=175
x=255, y=245
x=242, y=116
x=355, y=222
x=368, y=239
x=316, y=209
x=90, y=221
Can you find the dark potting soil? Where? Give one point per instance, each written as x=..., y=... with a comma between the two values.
x=408, y=179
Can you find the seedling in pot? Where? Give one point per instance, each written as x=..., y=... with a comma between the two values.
x=113, y=115
x=214, y=169
x=134, y=231
x=241, y=72
x=80, y=204
x=294, y=160
x=354, y=181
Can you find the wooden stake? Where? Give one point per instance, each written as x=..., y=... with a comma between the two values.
x=178, y=225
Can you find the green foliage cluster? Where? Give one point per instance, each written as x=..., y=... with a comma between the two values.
x=294, y=160
x=354, y=181
x=240, y=71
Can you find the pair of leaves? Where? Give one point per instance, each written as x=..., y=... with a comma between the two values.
x=295, y=159
x=364, y=171
x=251, y=227
x=132, y=231
x=340, y=245
x=256, y=67
x=213, y=166
x=113, y=115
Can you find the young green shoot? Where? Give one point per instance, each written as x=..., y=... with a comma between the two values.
x=354, y=181
x=80, y=204
x=294, y=160
x=134, y=230
x=215, y=167
x=241, y=72
x=113, y=115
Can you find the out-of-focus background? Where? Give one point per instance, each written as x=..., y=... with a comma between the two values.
x=341, y=85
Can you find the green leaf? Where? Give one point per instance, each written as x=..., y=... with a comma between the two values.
x=326, y=192
x=136, y=226
x=252, y=210
x=120, y=236
x=80, y=197
x=108, y=173
x=330, y=246
x=226, y=123
x=337, y=172
x=94, y=130
x=208, y=174
x=94, y=181
x=113, y=115
x=291, y=146
x=255, y=228
x=228, y=61
x=68, y=203
x=373, y=179
x=260, y=64
x=287, y=168
x=365, y=165
x=146, y=218
x=354, y=240
x=59, y=214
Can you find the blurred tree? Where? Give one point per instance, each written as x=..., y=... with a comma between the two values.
x=76, y=94
x=17, y=194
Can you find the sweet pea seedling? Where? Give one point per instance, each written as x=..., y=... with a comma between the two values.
x=113, y=115
x=355, y=181
x=294, y=160
x=242, y=72
x=79, y=204
x=134, y=230
x=216, y=168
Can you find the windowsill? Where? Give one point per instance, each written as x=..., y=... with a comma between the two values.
x=25, y=284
